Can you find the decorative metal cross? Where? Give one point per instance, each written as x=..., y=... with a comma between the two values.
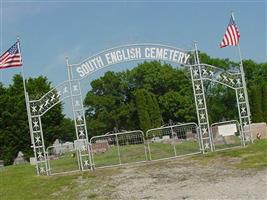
x=81, y=131
x=35, y=124
x=207, y=146
x=75, y=87
x=40, y=154
x=37, y=139
x=58, y=94
x=197, y=87
x=34, y=109
x=241, y=95
x=41, y=106
x=42, y=169
x=83, y=148
x=77, y=103
x=211, y=73
x=46, y=102
x=52, y=98
x=65, y=90
x=238, y=81
x=200, y=101
x=224, y=78
x=231, y=81
x=243, y=110
x=79, y=118
x=204, y=130
x=195, y=72
x=86, y=163
x=204, y=72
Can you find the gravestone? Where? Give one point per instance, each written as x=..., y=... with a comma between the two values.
x=57, y=147
x=256, y=128
x=68, y=146
x=100, y=147
x=219, y=140
x=19, y=159
x=190, y=135
x=32, y=160
x=230, y=139
x=1, y=164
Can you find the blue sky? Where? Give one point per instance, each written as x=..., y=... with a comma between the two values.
x=51, y=30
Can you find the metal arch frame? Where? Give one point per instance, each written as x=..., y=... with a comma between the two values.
x=130, y=60
x=85, y=157
x=233, y=81
x=37, y=108
x=129, y=45
x=220, y=71
x=79, y=115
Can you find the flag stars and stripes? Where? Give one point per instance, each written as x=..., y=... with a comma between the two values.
x=11, y=58
x=231, y=36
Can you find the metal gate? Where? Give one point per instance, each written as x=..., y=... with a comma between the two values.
x=227, y=135
x=173, y=141
x=118, y=148
x=62, y=158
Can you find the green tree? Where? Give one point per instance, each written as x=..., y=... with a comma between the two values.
x=113, y=100
x=256, y=103
x=14, y=131
x=109, y=104
x=142, y=109
x=148, y=109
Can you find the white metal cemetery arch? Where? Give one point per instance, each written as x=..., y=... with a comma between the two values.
x=134, y=52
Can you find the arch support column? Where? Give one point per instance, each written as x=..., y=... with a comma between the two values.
x=201, y=107
x=82, y=143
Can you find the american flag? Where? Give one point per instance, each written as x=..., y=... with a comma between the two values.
x=232, y=35
x=11, y=58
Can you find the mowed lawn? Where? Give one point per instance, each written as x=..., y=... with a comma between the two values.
x=21, y=182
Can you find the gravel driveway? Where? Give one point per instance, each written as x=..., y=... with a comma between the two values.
x=184, y=178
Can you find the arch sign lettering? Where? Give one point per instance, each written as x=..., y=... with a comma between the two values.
x=71, y=88
x=127, y=53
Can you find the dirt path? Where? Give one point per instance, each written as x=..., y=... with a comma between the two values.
x=185, y=179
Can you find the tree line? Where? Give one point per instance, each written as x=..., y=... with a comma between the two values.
x=147, y=96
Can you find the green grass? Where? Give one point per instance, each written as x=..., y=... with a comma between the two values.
x=64, y=163
x=20, y=182
x=128, y=154
x=137, y=152
x=160, y=150
x=236, y=141
x=252, y=156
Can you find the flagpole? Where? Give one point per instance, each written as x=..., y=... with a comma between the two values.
x=25, y=92
x=22, y=70
x=244, y=82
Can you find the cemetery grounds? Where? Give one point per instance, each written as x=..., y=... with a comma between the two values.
x=232, y=174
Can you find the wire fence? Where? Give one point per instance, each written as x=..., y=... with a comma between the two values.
x=62, y=158
x=226, y=135
x=118, y=148
x=173, y=141
x=126, y=147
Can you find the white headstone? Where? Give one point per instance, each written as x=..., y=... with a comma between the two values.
x=32, y=161
x=19, y=159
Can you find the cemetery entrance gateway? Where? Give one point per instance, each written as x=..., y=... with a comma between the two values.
x=134, y=52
